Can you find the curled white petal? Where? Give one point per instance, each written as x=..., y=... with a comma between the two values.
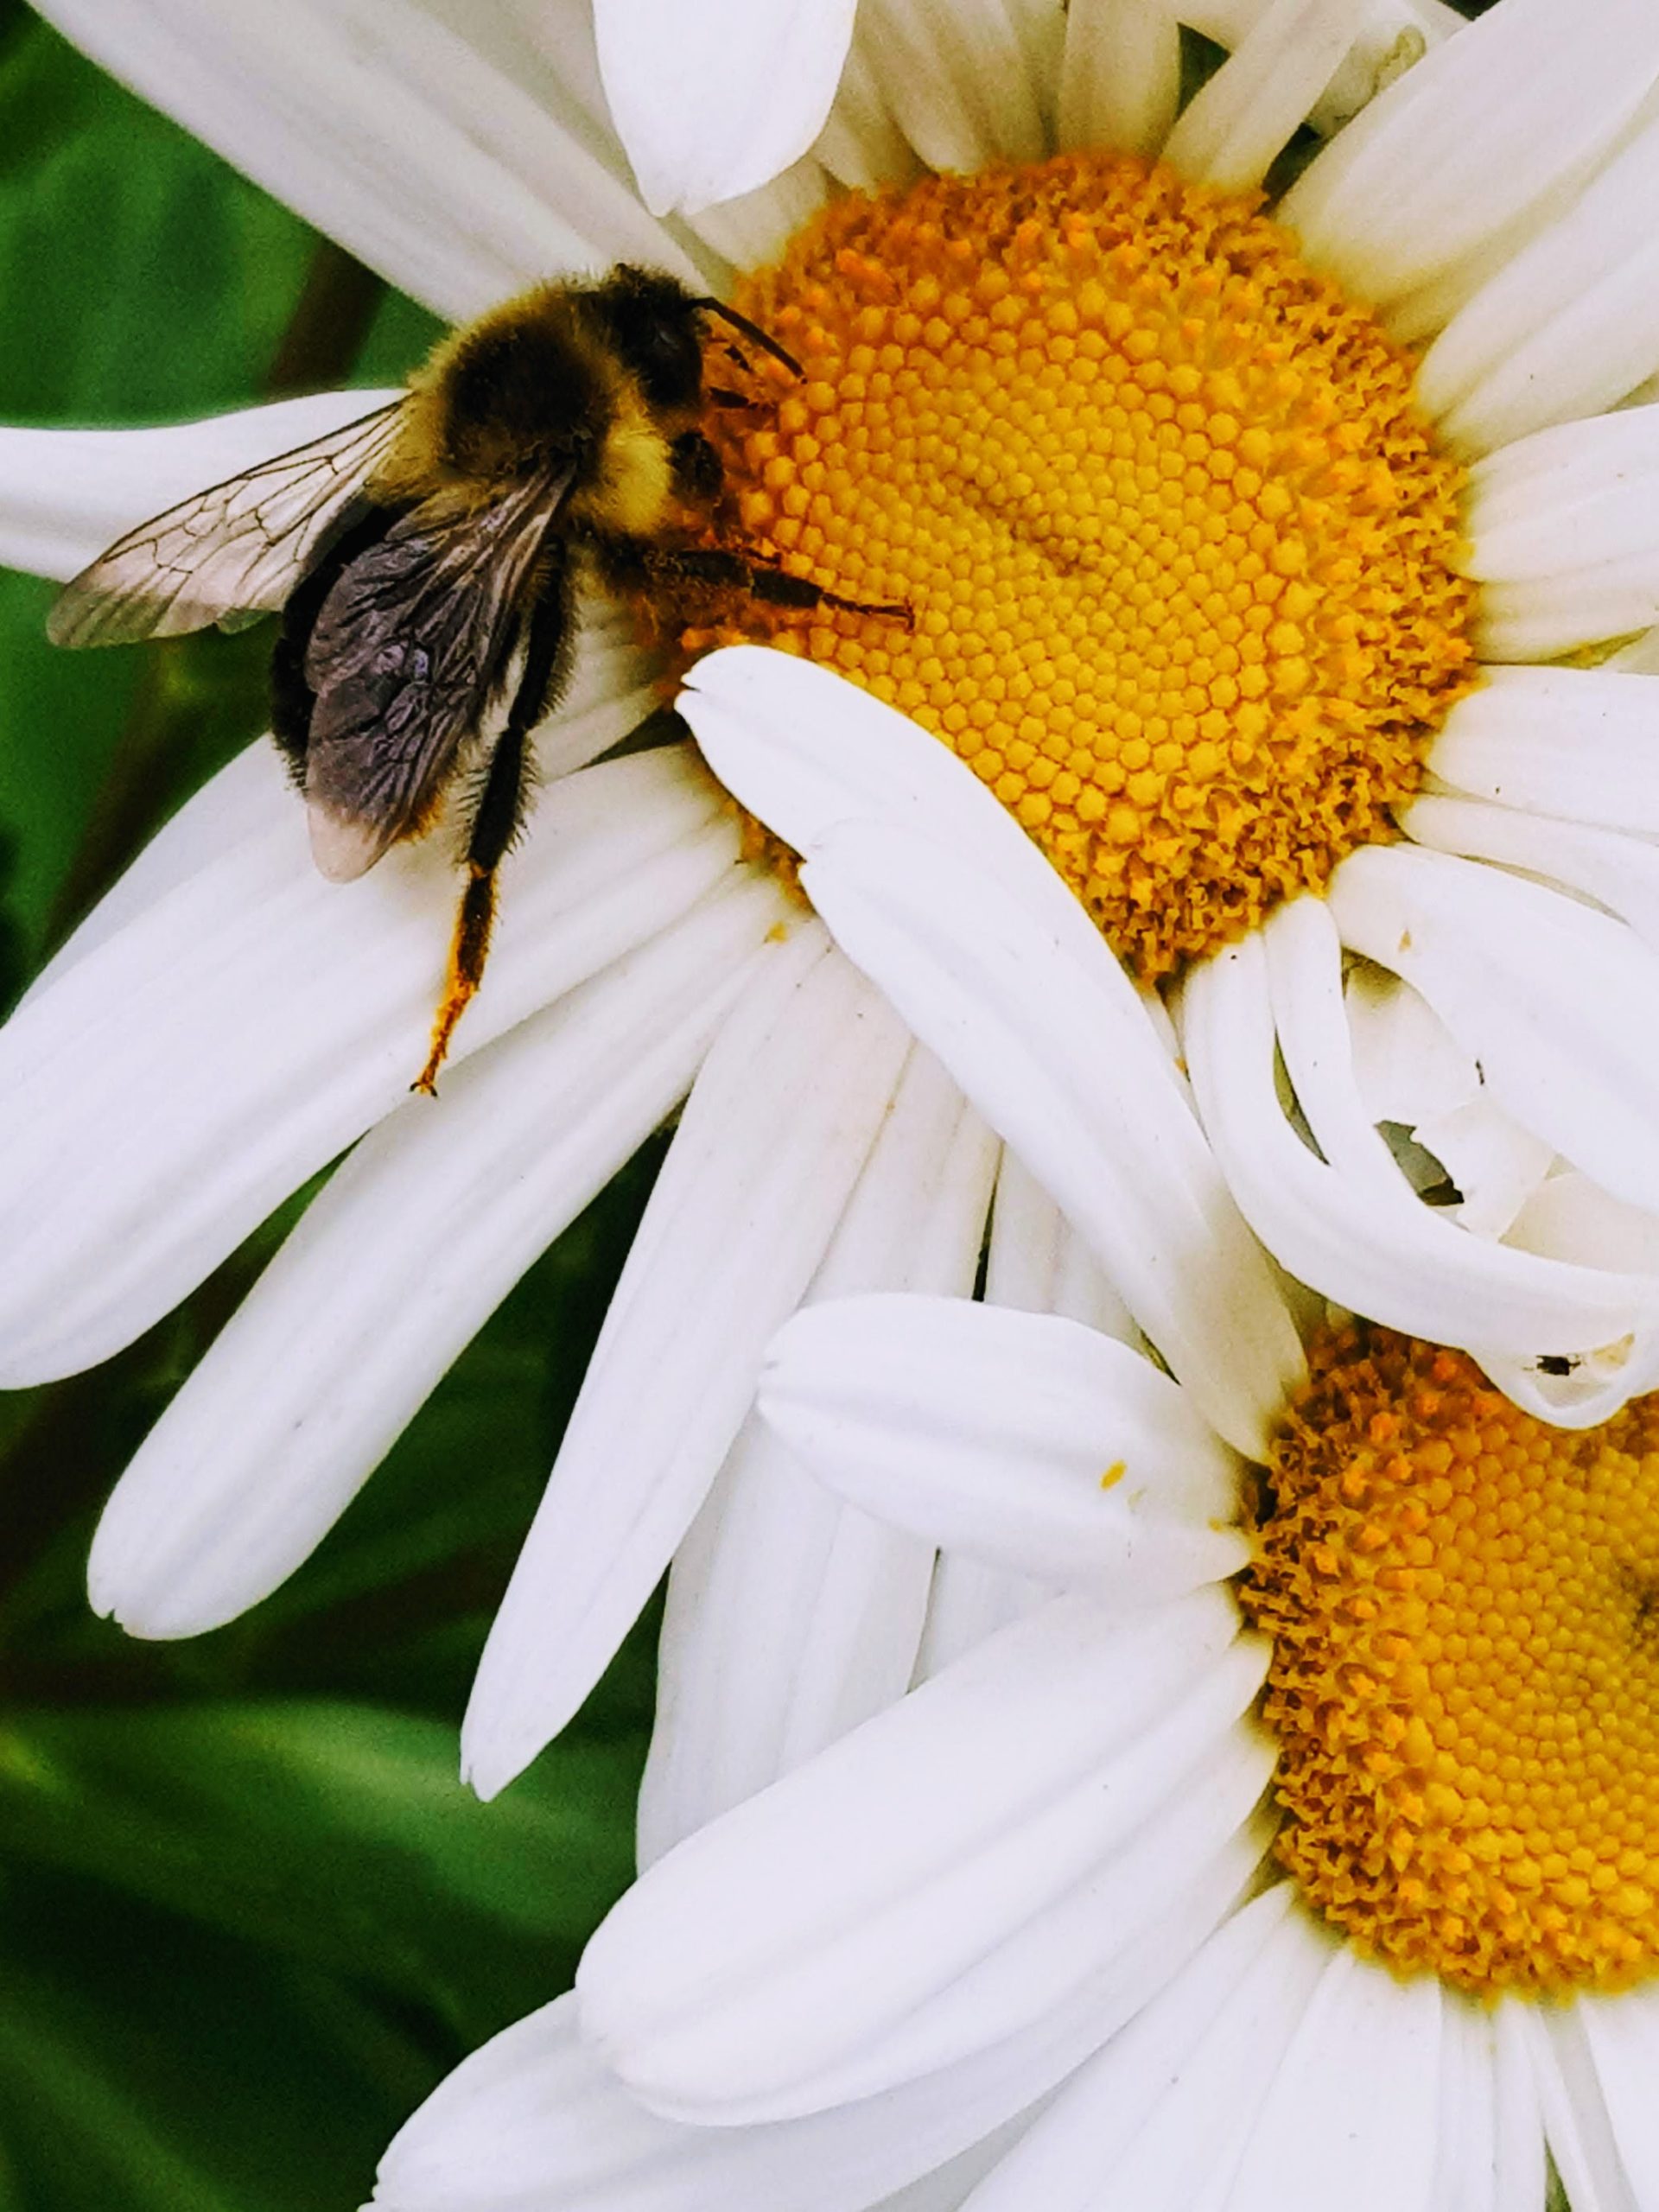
x=1352, y=1228
x=1407, y=1063
x=1603, y=867
x=1554, y=1000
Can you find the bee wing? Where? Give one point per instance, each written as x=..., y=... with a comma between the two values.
x=235, y=549
x=410, y=650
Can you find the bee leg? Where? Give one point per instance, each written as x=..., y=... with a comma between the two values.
x=496, y=822
x=717, y=566
x=698, y=474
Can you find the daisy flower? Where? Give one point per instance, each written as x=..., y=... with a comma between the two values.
x=1204, y=598
x=1292, y=1842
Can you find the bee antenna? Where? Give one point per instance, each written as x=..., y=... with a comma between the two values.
x=750, y=330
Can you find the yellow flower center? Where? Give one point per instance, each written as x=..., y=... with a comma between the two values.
x=1464, y=1604
x=1176, y=546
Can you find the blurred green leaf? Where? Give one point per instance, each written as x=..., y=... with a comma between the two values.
x=333, y=1835
x=146, y=2066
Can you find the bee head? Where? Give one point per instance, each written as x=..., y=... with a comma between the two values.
x=652, y=320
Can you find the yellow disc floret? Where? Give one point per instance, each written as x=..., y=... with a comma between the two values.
x=1464, y=1604
x=1176, y=546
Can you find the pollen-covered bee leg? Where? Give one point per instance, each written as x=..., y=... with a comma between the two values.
x=717, y=567
x=698, y=474
x=499, y=817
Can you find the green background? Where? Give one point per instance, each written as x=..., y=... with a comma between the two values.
x=248, y=1916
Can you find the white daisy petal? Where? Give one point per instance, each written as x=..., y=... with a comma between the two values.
x=1593, y=1388
x=922, y=1889
x=1394, y=37
x=1577, y=2124
x=1496, y=1164
x=1160, y=2118
x=1120, y=76
x=968, y=1602
x=395, y=1267
x=1072, y=1076
x=194, y=1069
x=862, y=144
x=713, y=100
x=756, y=228
x=805, y=750
x=1322, y=2133
x=1548, y=616
x=777, y=1126
x=1568, y=326
x=534, y=2120
x=1576, y=744
x=1518, y=2126
x=1563, y=538
x=1545, y=993
x=239, y=803
x=1407, y=1063
x=1466, y=2097
x=1579, y=496
x=67, y=494
x=774, y=1563
x=1568, y=1217
x=1484, y=127
x=834, y=1599
x=387, y=129
x=1356, y=1230
x=1038, y=1263
x=1622, y=2036
x=1020, y=1438
x=1235, y=125
x=955, y=79
x=1617, y=873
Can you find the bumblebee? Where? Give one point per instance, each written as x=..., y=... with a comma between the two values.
x=426, y=559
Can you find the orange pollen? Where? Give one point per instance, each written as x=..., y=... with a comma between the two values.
x=1464, y=1604
x=1176, y=546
